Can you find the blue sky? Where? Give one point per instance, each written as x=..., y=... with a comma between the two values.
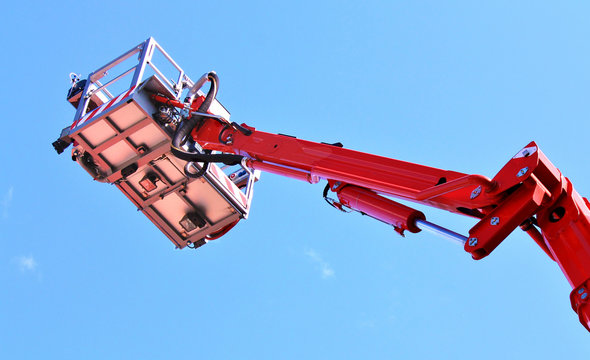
x=461, y=86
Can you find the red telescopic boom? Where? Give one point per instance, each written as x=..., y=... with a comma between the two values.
x=528, y=191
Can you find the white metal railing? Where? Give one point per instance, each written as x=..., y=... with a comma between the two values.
x=146, y=50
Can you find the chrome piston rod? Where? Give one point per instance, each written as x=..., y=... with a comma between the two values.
x=446, y=233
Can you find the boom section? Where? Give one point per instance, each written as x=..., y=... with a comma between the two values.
x=312, y=161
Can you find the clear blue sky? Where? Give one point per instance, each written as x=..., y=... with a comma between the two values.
x=461, y=86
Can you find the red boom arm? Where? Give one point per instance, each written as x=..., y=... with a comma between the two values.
x=528, y=191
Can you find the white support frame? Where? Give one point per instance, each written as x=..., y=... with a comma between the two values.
x=146, y=52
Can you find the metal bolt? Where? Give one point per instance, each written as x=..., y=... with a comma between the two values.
x=495, y=220
x=584, y=296
x=581, y=290
x=475, y=193
x=472, y=241
x=522, y=171
x=336, y=184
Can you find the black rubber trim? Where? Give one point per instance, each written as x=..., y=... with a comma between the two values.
x=227, y=159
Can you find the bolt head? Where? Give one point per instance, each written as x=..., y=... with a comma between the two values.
x=581, y=290
x=495, y=220
x=472, y=241
x=584, y=296
x=475, y=193
x=522, y=171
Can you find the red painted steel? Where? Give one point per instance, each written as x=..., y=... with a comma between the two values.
x=450, y=186
x=380, y=174
x=519, y=206
x=536, y=235
x=368, y=202
x=172, y=102
x=526, y=190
